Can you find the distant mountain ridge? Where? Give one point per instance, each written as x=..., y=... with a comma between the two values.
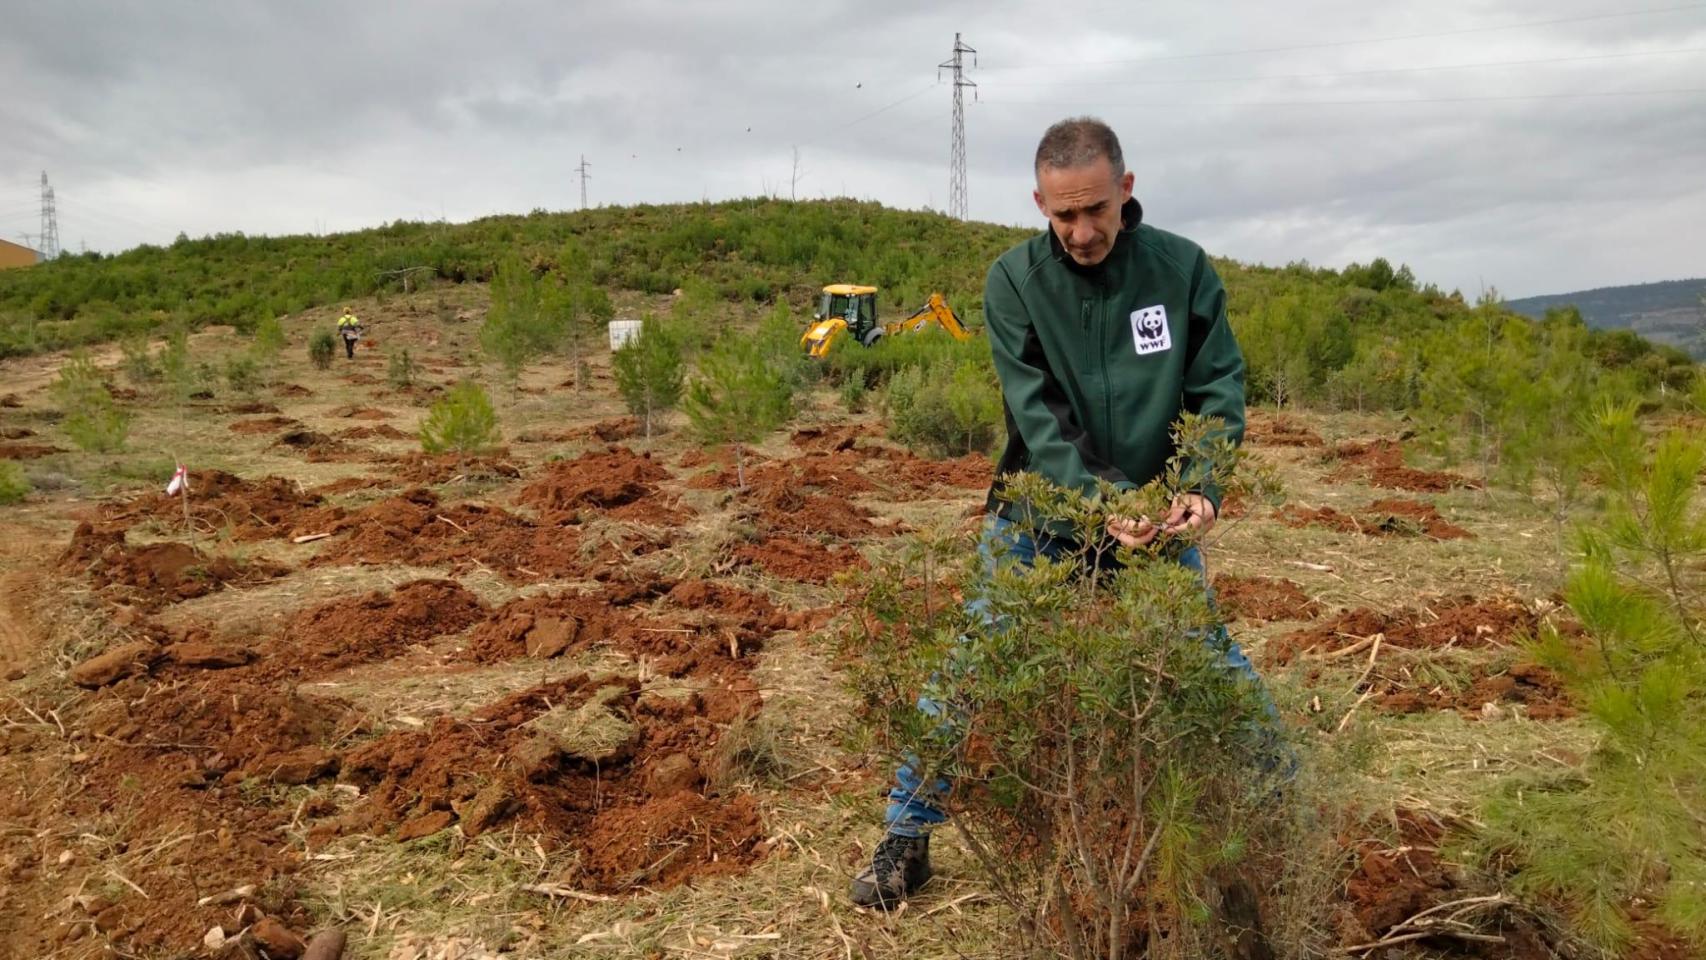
x=1670, y=311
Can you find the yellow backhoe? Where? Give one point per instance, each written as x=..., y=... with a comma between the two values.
x=846, y=308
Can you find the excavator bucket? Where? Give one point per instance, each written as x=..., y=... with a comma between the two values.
x=820, y=336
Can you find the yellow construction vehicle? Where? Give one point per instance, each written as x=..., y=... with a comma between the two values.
x=848, y=308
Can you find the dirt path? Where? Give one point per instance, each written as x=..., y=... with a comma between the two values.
x=25, y=375
x=23, y=559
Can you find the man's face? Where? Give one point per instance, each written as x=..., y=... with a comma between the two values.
x=1082, y=205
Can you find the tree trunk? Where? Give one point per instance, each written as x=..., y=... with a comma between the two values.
x=740, y=467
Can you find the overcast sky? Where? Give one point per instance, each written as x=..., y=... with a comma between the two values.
x=1534, y=145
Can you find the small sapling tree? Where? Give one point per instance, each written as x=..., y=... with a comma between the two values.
x=648, y=371
x=738, y=397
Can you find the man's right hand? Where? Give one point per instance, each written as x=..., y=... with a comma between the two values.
x=1132, y=533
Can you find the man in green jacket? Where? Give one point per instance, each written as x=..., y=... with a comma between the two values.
x=1104, y=330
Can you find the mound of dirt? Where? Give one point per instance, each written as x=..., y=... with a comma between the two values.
x=1279, y=431
x=1462, y=622
x=15, y=433
x=635, y=845
x=830, y=439
x=426, y=468
x=353, y=412
x=414, y=528
x=548, y=626
x=795, y=559
x=379, y=625
x=974, y=471
x=780, y=507
x=609, y=478
x=383, y=431
x=316, y=447
x=1392, y=883
x=729, y=625
x=1384, y=518
x=1539, y=690
x=293, y=390
x=531, y=758
x=1381, y=462
x=27, y=451
x=1263, y=598
x=1399, y=514
x=233, y=727
x=249, y=509
x=349, y=485
x=834, y=471
x=156, y=574
x=261, y=425
x=251, y=408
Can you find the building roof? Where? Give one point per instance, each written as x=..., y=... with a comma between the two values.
x=8, y=245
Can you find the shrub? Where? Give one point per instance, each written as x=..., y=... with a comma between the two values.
x=1111, y=775
x=400, y=371
x=269, y=337
x=176, y=367
x=945, y=410
x=92, y=420
x=648, y=372
x=462, y=421
x=738, y=396
x=242, y=373
x=853, y=392
x=140, y=367
x=322, y=347
x=928, y=347
x=14, y=486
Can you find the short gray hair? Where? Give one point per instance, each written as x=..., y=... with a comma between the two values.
x=1079, y=142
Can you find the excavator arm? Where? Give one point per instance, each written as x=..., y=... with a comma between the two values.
x=934, y=310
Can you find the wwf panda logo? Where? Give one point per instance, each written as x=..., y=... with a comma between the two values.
x=1149, y=331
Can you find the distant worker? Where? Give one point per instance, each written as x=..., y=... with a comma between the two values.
x=349, y=328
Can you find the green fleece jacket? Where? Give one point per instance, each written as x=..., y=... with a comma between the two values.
x=1097, y=363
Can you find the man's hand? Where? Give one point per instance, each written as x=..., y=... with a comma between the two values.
x=1132, y=533
x=1192, y=513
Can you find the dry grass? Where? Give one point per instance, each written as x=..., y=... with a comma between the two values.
x=820, y=795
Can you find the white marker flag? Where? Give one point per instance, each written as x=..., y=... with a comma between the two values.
x=180, y=480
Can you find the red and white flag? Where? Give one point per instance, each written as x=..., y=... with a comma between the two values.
x=180, y=480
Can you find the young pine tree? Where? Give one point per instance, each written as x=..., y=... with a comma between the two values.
x=92, y=420
x=648, y=372
x=1627, y=826
x=738, y=397
x=462, y=422
x=322, y=347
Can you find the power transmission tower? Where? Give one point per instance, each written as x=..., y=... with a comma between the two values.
x=583, y=175
x=49, y=222
x=957, y=158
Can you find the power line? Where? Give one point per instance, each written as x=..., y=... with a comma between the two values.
x=1348, y=73
x=1311, y=103
x=957, y=152
x=1326, y=44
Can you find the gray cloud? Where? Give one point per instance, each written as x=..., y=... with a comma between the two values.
x=273, y=118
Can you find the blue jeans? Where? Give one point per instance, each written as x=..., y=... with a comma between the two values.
x=910, y=813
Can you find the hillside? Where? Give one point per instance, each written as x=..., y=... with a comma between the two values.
x=1357, y=337
x=1670, y=312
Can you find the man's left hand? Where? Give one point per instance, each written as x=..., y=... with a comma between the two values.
x=1192, y=514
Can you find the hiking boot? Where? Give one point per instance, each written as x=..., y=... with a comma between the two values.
x=899, y=867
